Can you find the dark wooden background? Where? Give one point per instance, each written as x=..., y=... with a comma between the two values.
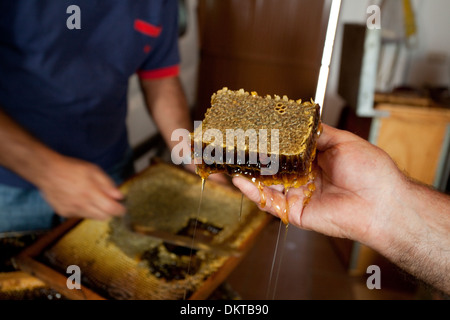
x=267, y=46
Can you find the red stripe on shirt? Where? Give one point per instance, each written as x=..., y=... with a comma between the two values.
x=160, y=73
x=146, y=28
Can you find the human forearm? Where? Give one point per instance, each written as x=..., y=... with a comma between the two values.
x=416, y=234
x=72, y=187
x=22, y=153
x=362, y=195
x=168, y=106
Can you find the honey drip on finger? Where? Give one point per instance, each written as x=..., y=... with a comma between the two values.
x=278, y=202
x=280, y=205
x=262, y=195
x=311, y=187
x=286, y=208
x=240, y=210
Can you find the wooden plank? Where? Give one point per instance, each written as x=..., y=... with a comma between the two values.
x=18, y=280
x=413, y=114
x=26, y=262
x=403, y=99
x=48, y=238
x=260, y=46
x=55, y=280
x=414, y=140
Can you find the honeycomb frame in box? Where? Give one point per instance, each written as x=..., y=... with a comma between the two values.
x=118, y=263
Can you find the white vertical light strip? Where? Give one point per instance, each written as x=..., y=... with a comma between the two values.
x=327, y=52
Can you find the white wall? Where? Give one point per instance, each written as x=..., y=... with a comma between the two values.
x=429, y=59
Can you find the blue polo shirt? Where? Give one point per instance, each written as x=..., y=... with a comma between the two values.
x=68, y=86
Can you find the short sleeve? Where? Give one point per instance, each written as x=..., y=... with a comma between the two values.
x=164, y=57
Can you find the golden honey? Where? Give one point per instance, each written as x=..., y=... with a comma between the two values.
x=297, y=126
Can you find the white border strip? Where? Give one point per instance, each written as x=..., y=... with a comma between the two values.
x=327, y=53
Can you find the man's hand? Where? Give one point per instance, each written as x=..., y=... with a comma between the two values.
x=354, y=182
x=75, y=188
x=362, y=195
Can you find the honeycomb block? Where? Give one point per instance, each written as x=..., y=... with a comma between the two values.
x=271, y=140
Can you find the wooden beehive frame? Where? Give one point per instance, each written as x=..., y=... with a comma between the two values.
x=28, y=261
